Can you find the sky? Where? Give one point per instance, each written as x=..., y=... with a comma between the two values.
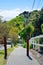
x=11, y=8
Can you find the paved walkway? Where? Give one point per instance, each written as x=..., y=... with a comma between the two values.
x=18, y=57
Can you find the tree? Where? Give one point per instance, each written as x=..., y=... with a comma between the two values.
x=27, y=30
x=13, y=34
x=26, y=34
x=3, y=32
x=36, y=19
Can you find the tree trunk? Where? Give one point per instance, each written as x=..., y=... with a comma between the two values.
x=5, y=47
x=27, y=40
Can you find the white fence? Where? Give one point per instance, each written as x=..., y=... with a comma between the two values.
x=32, y=41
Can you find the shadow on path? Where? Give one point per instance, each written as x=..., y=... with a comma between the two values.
x=29, y=57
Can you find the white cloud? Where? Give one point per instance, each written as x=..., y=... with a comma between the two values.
x=8, y=14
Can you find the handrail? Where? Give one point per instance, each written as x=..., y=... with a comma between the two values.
x=37, y=44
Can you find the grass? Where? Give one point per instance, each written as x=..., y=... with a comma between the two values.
x=2, y=60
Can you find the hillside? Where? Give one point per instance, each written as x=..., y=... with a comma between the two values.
x=34, y=18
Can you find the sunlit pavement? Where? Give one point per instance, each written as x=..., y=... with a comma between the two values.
x=18, y=57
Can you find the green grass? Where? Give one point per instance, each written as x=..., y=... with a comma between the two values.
x=2, y=60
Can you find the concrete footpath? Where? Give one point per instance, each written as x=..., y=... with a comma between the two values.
x=18, y=57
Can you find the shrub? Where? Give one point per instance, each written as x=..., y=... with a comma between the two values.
x=30, y=46
x=24, y=45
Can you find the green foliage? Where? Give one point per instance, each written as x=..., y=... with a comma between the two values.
x=24, y=45
x=41, y=40
x=42, y=28
x=30, y=46
x=13, y=34
x=36, y=19
x=32, y=28
x=27, y=30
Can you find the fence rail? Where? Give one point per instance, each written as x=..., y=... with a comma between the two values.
x=37, y=44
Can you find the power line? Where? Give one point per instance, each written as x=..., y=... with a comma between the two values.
x=38, y=3
x=33, y=4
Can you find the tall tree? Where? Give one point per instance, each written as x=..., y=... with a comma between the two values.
x=13, y=34
x=26, y=34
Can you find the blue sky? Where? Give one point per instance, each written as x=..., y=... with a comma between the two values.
x=12, y=4
x=11, y=8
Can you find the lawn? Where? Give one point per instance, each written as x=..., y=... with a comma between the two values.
x=2, y=60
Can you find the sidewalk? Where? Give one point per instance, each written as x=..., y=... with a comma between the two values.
x=18, y=57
